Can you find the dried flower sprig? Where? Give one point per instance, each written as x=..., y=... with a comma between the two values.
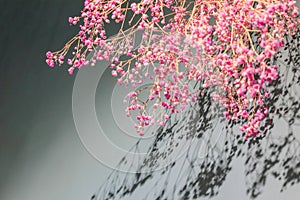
x=224, y=44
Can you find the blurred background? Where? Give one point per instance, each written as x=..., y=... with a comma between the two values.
x=41, y=156
x=40, y=152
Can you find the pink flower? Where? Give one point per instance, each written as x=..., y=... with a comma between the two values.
x=114, y=73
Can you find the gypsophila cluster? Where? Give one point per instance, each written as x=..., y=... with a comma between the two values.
x=225, y=44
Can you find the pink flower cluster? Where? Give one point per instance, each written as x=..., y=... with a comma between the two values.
x=223, y=44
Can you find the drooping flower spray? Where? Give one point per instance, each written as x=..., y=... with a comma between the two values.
x=225, y=44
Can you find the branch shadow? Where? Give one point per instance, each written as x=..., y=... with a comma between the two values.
x=208, y=144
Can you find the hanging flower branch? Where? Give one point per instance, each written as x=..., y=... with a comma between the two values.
x=224, y=44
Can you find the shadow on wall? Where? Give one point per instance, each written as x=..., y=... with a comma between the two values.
x=207, y=145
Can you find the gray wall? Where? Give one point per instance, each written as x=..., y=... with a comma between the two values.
x=40, y=152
